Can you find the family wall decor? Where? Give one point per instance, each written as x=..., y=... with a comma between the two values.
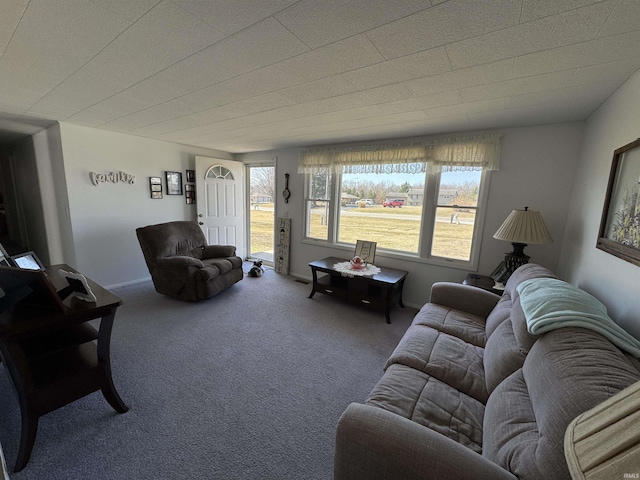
x=112, y=177
x=619, y=232
x=174, y=186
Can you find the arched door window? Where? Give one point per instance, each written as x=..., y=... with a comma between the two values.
x=219, y=172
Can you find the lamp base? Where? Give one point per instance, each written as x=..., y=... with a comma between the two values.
x=517, y=258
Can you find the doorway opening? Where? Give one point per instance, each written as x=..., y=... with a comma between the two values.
x=262, y=184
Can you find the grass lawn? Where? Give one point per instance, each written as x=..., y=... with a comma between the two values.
x=397, y=232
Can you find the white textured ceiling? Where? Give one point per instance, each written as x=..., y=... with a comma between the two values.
x=249, y=75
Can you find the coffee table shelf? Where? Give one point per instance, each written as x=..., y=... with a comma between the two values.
x=379, y=292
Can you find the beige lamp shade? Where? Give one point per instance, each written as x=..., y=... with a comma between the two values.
x=604, y=443
x=524, y=226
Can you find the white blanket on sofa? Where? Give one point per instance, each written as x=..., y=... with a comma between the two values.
x=550, y=303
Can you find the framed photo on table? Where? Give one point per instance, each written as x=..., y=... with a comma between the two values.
x=619, y=234
x=174, y=183
x=500, y=274
x=366, y=250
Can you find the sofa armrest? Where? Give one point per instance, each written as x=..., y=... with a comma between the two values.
x=217, y=251
x=375, y=444
x=465, y=298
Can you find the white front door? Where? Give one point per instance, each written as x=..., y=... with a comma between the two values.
x=220, y=201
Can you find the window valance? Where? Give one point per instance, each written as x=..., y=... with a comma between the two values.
x=442, y=154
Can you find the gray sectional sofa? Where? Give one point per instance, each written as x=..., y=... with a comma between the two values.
x=470, y=393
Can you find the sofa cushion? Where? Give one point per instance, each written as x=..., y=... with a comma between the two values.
x=428, y=401
x=567, y=372
x=465, y=326
x=502, y=355
x=499, y=314
x=445, y=357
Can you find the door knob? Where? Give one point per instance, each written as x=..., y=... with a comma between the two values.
x=200, y=223
x=200, y=215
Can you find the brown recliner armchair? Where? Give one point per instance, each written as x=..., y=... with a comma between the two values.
x=181, y=263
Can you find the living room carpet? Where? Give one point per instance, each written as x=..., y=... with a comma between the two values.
x=249, y=384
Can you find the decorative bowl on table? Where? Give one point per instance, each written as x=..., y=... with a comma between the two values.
x=358, y=263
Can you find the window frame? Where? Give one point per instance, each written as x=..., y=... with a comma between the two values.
x=429, y=208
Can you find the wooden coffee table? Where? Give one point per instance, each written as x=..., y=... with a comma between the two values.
x=380, y=291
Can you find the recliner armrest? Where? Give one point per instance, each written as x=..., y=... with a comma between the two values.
x=179, y=261
x=465, y=298
x=375, y=444
x=217, y=251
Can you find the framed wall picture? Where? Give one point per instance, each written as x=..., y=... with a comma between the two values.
x=155, y=186
x=189, y=188
x=619, y=234
x=366, y=250
x=191, y=176
x=174, y=183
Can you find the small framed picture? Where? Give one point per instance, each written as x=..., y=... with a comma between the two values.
x=366, y=250
x=155, y=186
x=174, y=183
x=28, y=261
x=189, y=188
x=500, y=274
x=191, y=176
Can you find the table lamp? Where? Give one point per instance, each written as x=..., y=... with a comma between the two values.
x=604, y=443
x=521, y=228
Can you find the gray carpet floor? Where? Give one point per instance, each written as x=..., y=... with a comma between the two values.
x=247, y=385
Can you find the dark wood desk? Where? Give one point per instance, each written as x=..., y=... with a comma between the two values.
x=380, y=291
x=55, y=358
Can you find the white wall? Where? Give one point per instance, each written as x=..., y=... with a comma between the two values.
x=610, y=279
x=537, y=170
x=104, y=218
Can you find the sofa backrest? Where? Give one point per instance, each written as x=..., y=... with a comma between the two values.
x=508, y=340
x=567, y=372
x=169, y=239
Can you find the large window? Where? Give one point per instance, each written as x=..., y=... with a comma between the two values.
x=411, y=208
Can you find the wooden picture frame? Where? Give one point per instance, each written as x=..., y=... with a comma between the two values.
x=174, y=183
x=191, y=176
x=619, y=234
x=155, y=187
x=366, y=250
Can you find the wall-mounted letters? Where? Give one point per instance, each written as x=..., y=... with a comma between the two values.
x=112, y=177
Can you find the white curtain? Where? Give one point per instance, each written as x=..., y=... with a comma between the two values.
x=452, y=153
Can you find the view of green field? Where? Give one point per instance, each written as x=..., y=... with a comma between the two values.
x=391, y=228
